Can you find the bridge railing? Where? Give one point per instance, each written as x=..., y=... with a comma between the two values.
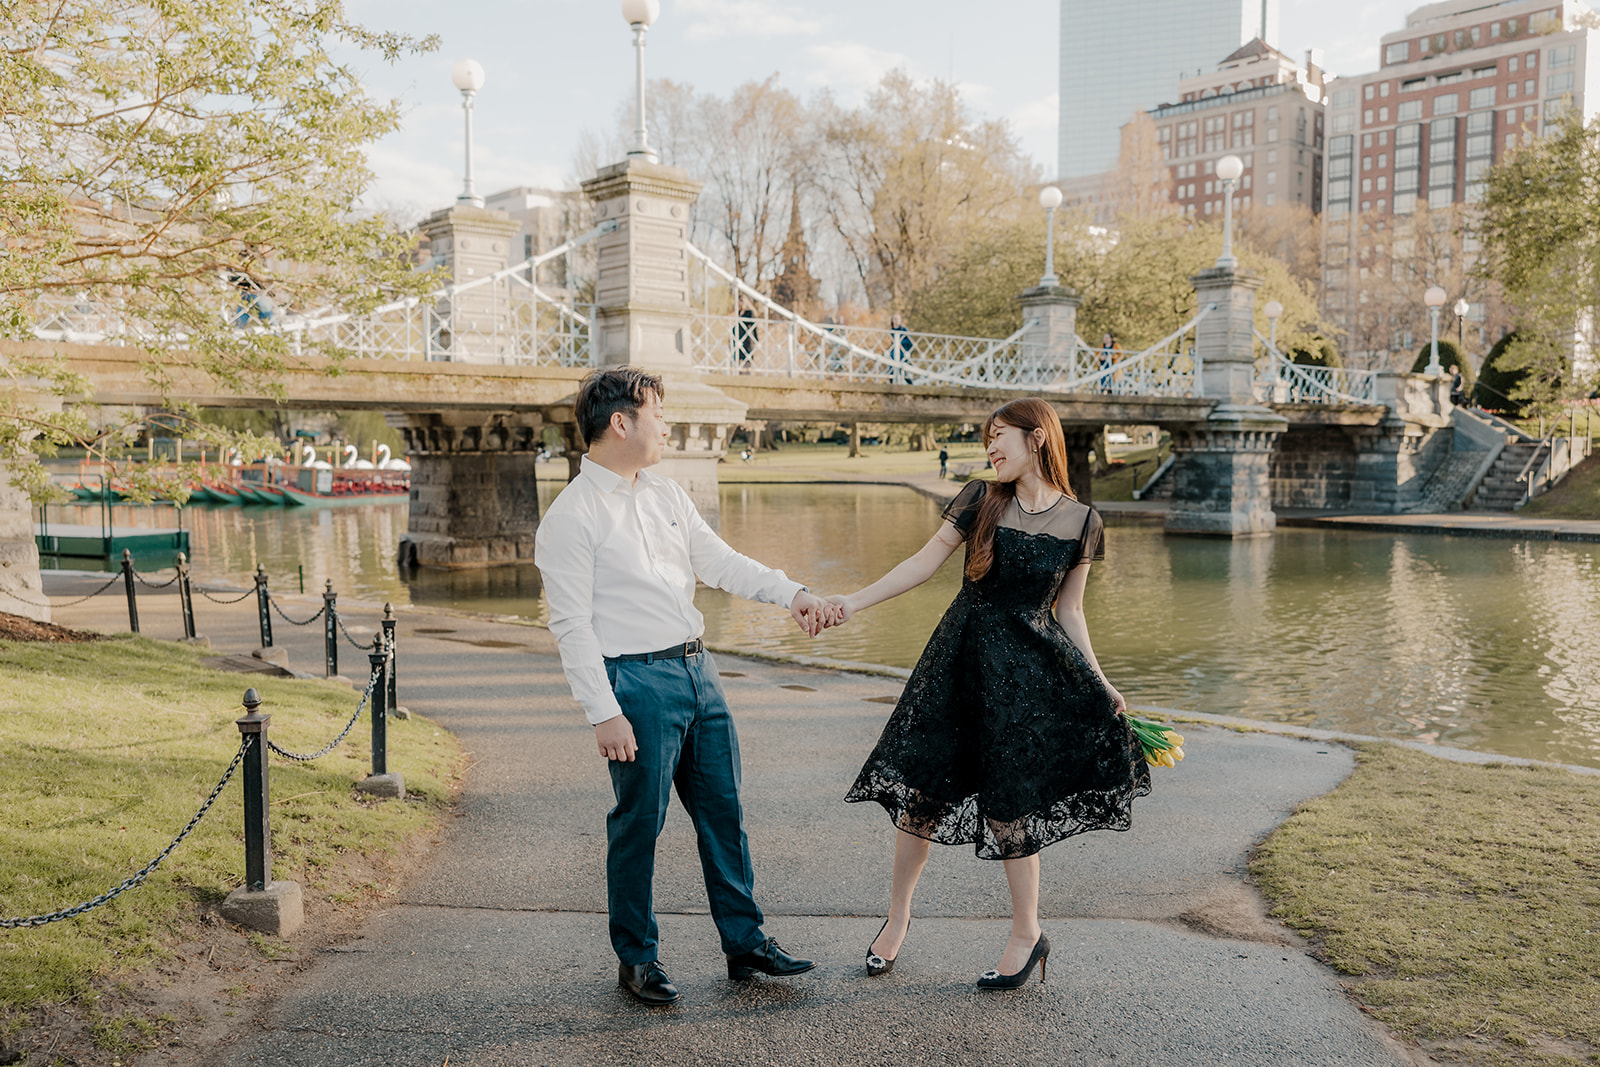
x=1280, y=380
x=1166, y=368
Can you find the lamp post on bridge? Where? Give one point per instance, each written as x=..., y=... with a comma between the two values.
x=1461, y=308
x=1228, y=169
x=1049, y=199
x=1274, y=311
x=1434, y=298
x=468, y=77
x=640, y=14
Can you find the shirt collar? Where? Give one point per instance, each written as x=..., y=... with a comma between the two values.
x=607, y=480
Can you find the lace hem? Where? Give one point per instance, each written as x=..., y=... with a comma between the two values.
x=960, y=823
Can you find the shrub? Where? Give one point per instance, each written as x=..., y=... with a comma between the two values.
x=1321, y=352
x=1449, y=356
x=1495, y=383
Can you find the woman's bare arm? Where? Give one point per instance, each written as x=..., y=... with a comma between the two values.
x=1069, y=613
x=907, y=574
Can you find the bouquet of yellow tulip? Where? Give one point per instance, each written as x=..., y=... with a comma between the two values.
x=1161, y=745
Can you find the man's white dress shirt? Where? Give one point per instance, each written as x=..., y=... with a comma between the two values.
x=619, y=564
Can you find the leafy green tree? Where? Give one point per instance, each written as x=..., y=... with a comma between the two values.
x=1133, y=280
x=1320, y=352
x=175, y=175
x=1541, y=236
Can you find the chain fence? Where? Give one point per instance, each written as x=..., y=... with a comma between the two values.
x=154, y=585
x=235, y=600
x=48, y=603
x=368, y=647
x=298, y=757
x=295, y=622
x=144, y=872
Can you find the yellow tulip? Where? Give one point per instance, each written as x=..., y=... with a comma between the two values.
x=1177, y=752
x=1176, y=739
x=1166, y=758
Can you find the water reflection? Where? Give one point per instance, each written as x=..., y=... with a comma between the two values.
x=1488, y=644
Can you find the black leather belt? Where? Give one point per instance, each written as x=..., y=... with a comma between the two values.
x=683, y=651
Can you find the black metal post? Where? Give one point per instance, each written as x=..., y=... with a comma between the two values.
x=379, y=658
x=257, y=801
x=330, y=629
x=389, y=627
x=185, y=596
x=263, y=608
x=127, y=580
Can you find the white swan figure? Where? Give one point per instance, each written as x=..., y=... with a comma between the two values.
x=308, y=458
x=352, y=460
x=234, y=458
x=387, y=464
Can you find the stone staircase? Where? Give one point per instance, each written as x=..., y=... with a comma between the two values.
x=1450, y=483
x=1500, y=490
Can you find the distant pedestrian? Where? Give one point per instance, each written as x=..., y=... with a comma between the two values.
x=1458, y=391
x=745, y=336
x=899, y=350
x=944, y=459
x=1110, y=355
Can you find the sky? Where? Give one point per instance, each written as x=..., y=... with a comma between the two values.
x=554, y=68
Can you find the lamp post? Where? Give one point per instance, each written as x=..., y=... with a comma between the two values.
x=640, y=14
x=1434, y=298
x=468, y=77
x=1461, y=308
x=1049, y=199
x=1228, y=169
x=1274, y=311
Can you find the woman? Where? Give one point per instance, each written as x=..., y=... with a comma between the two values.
x=1008, y=735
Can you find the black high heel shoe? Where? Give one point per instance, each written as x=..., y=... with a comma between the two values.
x=996, y=980
x=876, y=964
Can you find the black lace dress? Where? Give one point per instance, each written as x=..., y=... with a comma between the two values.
x=1004, y=736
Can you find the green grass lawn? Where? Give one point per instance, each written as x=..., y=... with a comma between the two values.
x=1577, y=496
x=107, y=748
x=1462, y=902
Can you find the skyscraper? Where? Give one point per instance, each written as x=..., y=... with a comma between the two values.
x=1123, y=57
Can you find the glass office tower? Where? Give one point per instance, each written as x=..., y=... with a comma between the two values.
x=1122, y=56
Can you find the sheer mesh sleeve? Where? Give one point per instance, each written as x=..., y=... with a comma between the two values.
x=962, y=512
x=1092, y=543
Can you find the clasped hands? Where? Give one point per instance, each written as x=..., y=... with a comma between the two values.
x=814, y=614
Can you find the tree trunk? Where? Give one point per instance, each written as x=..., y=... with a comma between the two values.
x=855, y=440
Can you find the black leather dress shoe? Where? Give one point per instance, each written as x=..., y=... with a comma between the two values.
x=647, y=982
x=769, y=959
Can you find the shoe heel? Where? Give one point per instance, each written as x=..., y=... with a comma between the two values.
x=1042, y=961
x=739, y=974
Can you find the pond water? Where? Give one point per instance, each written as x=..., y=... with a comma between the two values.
x=1488, y=644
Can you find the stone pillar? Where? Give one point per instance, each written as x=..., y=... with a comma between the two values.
x=643, y=313
x=474, y=325
x=1221, y=479
x=1050, y=317
x=474, y=498
x=1080, y=472
x=21, y=588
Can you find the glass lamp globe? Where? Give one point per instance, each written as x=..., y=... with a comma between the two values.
x=1049, y=198
x=1229, y=168
x=467, y=75
x=1434, y=297
x=641, y=11
x=1273, y=309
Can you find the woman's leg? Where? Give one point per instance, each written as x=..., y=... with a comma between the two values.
x=910, y=854
x=1023, y=877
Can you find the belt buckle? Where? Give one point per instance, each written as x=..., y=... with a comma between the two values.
x=693, y=648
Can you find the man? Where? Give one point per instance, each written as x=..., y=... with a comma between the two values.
x=619, y=550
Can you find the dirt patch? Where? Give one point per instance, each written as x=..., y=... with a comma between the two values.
x=17, y=628
x=1238, y=912
x=215, y=983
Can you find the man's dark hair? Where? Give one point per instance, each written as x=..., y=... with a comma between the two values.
x=605, y=392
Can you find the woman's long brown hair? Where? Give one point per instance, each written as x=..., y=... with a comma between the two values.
x=1028, y=414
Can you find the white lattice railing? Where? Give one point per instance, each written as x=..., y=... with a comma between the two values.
x=1280, y=380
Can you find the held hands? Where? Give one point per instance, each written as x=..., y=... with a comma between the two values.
x=814, y=614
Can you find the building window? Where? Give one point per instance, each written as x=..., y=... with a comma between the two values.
x=1532, y=59
x=1494, y=30
x=1484, y=72
x=1404, y=203
x=1477, y=34
x=1272, y=114
x=1272, y=198
x=1558, y=83
x=1511, y=91
x=1368, y=92
x=1383, y=114
x=1398, y=52
x=1530, y=112
x=1383, y=89
x=1511, y=65
x=1366, y=116
x=1366, y=162
x=1366, y=185
x=1383, y=182
x=1413, y=84
x=1511, y=141
x=1562, y=57
x=1479, y=98
x=1511, y=27
x=1383, y=160
x=1446, y=103
x=1445, y=79
x=1342, y=98
x=1272, y=177
x=1343, y=123
x=1409, y=111
x=1530, y=87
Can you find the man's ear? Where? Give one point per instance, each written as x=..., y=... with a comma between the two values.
x=619, y=425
